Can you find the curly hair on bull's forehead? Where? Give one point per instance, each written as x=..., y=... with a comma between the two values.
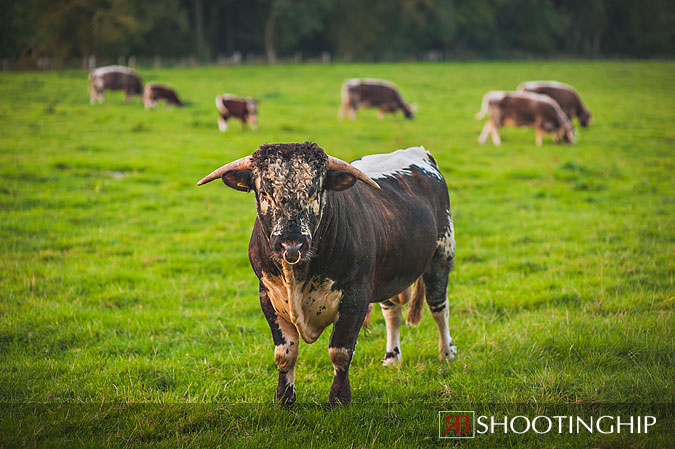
x=290, y=171
x=309, y=152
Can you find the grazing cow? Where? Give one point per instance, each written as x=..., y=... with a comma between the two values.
x=371, y=93
x=565, y=95
x=538, y=111
x=154, y=92
x=245, y=109
x=114, y=77
x=325, y=246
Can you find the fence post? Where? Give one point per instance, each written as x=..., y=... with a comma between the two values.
x=92, y=62
x=157, y=63
x=132, y=61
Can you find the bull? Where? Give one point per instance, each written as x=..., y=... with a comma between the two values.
x=565, y=95
x=244, y=109
x=331, y=238
x=152, y=93
x=114, y=77
x=538, y=111
x=372, y=93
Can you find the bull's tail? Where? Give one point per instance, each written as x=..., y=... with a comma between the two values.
x=416, y=305
x=366, y=321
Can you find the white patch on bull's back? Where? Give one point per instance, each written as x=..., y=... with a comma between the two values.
x=310, y=309
x=397, y=163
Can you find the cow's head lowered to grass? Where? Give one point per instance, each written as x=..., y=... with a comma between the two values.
x=289, y=181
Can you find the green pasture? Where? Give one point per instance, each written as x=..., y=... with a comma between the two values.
x=129, y=313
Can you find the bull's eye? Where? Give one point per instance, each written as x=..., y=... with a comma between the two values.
x=263, y=196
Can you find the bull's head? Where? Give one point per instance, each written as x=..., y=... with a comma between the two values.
x=290, y=181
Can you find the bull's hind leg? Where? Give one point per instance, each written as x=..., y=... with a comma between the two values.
x=436, y=283
x=392, y=320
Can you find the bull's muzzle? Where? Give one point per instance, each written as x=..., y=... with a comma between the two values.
x=291, y=252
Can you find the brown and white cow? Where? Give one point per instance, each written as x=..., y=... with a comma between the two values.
x=154, y=92
x=114, y=77
x=565, y=95
x=332, y=237
x=372, y=93
x=244, y=109
x=538, y=111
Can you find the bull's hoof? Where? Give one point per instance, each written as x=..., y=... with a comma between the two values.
x=334, y=401
x=448, y=353
x=392, y=358
x=342, y=395
x=286, y=396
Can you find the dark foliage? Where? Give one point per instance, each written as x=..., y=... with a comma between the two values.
x=65, y=30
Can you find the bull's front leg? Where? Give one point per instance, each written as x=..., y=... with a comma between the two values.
x=352, y=312
x=285, y=337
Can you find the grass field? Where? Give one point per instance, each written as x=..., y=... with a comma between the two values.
x=129, y=312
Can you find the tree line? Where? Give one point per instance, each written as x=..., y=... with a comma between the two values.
x=67, y=30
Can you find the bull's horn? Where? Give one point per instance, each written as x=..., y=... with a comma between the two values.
x=240, y=164
x=340, y=165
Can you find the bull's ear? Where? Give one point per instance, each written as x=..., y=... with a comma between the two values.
x=339, y=180
x=238, y=179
